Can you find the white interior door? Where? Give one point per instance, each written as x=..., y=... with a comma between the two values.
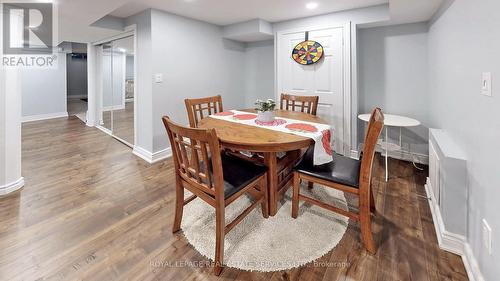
x=324, y=79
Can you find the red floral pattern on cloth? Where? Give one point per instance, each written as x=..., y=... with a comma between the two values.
x=225, y=113
x=276, y=122
x=302, y=127
x=322, y=134
x=326, y=141
x=245, y=116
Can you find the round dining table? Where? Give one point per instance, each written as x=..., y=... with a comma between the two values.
x=267, y=144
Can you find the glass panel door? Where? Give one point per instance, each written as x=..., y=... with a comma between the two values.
x=117, y=68
x=123, y=89
x=107, y=87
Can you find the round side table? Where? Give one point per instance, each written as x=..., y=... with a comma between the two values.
x=396, y=121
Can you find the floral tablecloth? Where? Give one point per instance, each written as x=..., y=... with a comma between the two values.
x=320, y=133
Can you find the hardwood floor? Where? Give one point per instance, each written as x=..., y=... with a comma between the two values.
x=90, y=210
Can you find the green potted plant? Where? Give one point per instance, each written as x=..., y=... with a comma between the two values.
x=265, y=110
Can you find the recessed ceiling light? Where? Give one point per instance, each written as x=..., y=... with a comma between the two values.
x=312, y=5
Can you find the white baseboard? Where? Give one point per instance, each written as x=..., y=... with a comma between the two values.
x=407, y=156
x=113, y=107
x=471, y=265
x=452, y=242
x=354, y=154
x=40, y=117
x=74, y=97
x=401, y=155
x=152, y=157
x=11, y=187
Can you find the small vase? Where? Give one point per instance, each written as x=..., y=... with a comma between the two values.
x=265, y=116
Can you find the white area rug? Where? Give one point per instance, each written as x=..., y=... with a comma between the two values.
x=276, y=243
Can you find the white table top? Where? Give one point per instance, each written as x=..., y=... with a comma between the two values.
x=394, y=120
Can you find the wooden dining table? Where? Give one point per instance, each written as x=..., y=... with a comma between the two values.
x=267, y=143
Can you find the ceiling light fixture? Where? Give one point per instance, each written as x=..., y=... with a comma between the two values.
x=312, y=5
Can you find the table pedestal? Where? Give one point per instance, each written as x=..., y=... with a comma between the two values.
x=279, y=176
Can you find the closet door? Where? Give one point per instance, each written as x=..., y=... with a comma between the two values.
x=123, y=98
x=107, y=87
x=324, y=79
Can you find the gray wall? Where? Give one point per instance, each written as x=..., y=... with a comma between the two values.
x=214, y=65
x=259, y=72
x=44, y=90
x=143, y=83
x=463, y=43
x=392, y=74
x=76, y=76
x=209, y=65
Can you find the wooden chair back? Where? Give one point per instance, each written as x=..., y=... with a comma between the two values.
x=197, y=157
x=307, y=104
x=375, y=126
x=198, y=109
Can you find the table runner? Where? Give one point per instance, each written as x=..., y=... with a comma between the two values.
x=320, y=133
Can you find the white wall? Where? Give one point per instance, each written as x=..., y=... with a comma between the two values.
x=206, y=65
x=76, y=76
x=44, y=90
x=392, y=74
x=259, y=72
x=10, y=131
x=463, y=43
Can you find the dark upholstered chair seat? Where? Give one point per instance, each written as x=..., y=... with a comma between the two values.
x=238, y=173
x=342, y=170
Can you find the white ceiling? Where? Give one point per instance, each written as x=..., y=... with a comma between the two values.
x=404, y=11
x=224, y=12
x=76, y=16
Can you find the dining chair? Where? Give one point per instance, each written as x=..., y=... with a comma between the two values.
x=200, y=108
x=213, y=176
x=307, y=104
x=347, y=175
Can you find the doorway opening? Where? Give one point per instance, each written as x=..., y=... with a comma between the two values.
x=76, y=81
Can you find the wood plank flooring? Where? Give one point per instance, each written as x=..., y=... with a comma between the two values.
x=90, y=210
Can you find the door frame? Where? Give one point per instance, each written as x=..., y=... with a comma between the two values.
x=95, y=96
x=347, y=76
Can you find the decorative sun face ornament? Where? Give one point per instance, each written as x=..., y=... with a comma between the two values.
x=307, y=52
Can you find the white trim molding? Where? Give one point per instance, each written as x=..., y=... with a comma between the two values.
x=11, y=187
x=76, y=97
x=40, y=117
x=113, y=107
x=400, y=155
x=452, y=242
x=152, y=158
x=471, y=265
x=406, y=155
